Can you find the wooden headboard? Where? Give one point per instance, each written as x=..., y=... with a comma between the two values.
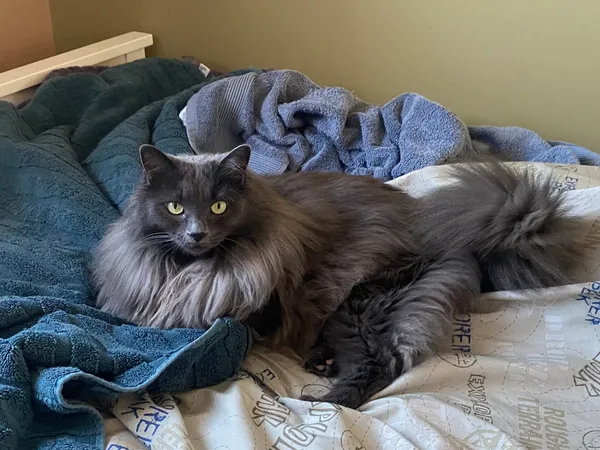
x=18, y=84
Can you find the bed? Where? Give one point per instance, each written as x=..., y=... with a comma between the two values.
x=521, y=372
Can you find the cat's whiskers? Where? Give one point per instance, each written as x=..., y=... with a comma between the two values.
x=171, y=250
x=153, y=237
x=165, y=244
x=221, y=247
x=244, y=246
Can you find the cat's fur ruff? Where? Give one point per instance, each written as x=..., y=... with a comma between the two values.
x=377, y=273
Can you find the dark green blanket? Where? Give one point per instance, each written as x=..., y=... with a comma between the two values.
x=68, y=161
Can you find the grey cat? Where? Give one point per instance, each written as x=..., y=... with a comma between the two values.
x=357, y=276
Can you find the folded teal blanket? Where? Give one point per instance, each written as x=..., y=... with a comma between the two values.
x=68, y=161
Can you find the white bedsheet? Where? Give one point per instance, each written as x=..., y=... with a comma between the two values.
x=522, y=372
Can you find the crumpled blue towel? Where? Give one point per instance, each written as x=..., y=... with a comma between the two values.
x=294, y=124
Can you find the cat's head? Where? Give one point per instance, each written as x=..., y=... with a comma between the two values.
x=192, y=202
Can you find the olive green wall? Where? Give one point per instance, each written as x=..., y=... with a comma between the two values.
x=532, y=63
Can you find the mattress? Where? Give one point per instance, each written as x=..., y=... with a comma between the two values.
x=523, y=371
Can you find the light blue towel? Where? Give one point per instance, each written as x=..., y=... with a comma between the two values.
x=68, y=161
x=293, y=124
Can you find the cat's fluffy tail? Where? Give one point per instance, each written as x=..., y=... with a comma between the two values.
x=513, y=221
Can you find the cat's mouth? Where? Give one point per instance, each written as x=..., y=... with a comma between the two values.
x=195, y=250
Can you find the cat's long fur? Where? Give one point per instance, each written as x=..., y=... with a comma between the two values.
x=377, y=273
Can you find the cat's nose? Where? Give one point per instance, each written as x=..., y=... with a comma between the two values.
x=197, y=236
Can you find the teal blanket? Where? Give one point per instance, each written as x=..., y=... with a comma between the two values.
x=68, y=162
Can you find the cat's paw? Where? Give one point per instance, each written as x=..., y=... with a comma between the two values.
x=320, y=362
x=344, y=396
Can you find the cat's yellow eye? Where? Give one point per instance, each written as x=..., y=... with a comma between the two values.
x=218, y=207
x=175, y=208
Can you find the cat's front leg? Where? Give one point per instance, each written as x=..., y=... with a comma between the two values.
x=380, y=332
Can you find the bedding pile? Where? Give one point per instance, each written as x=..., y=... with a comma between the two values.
x=68, y=160
x=294, y=124
x=68, y=163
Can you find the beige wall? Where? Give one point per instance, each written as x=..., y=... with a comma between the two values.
x=513, y=62
x=25, y=32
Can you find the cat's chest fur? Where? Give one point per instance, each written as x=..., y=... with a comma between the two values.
x=235, y=282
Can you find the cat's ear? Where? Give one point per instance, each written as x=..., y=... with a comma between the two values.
x=237, y=159
x=154, y=162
